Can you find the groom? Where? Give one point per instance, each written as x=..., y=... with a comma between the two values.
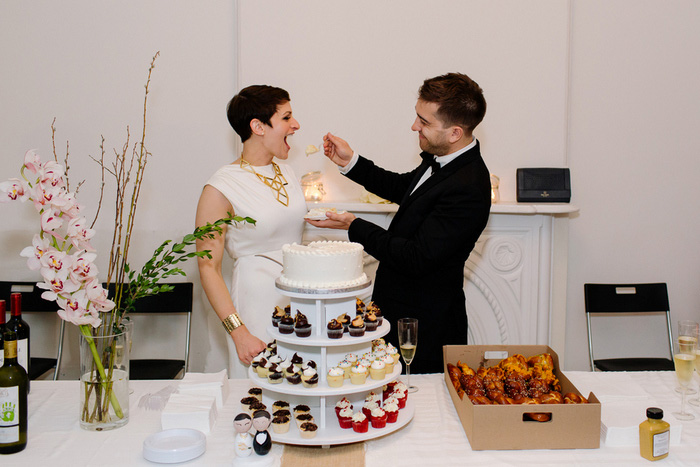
x=444, y=207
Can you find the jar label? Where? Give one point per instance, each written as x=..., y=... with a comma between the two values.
x=661, y=442
x=9, y=415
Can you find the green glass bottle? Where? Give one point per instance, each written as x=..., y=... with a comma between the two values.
x=13, y=399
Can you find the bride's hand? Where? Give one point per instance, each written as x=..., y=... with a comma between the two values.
x=247, y=345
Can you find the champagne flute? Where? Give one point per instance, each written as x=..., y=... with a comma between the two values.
x=408, y=340
x=684, y=362
x=688, y=331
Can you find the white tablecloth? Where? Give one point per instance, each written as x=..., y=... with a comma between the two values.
x=434, y=438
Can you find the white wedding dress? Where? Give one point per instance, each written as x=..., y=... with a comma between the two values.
x=253, y=278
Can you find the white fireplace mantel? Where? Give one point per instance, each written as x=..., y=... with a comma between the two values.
x=514, y=280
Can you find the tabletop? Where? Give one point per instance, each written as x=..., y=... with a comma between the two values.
x=434, y=438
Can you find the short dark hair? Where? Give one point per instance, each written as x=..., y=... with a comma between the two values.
x=242, y=416
x=461, y=101
x=258, y=101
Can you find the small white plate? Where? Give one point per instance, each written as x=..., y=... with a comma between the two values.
x=316, y=218
x=174, y=445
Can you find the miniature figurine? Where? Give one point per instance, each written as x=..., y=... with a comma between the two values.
x=244, y=439
x=262, y=442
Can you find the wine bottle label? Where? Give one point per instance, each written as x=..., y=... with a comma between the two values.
x=23, y=354
x=9, y=415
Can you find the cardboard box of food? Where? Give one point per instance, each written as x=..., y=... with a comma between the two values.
x=501, y=427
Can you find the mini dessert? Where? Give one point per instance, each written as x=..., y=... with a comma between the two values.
x=357, y=327
x=279, y=405
x=358, y=374
x=360, y=423
x=388, y=361
x=277, y=316
x=343, y=403
x=344, y=319
x=373, y=397
x=388, y=389
x=311, y=149
x=345, y=366
x=286, y=367
x=286, y=325
x=371, y=306
x=302, y=328
x=360, y=306
x=246, y=401
x=378, y=418
x=378, y=344
x=308, y=430
x=297, y=361
x=335, y=377
x=377, y=370
x=393, y=351
x=272, y=347
x=276, y=359
x=345, y=418
x=369, y=407
x=255, y=392
x=255, y=406
x=303, y=418
x=335, y=329
x=400, y=396
x=392, y=412
x=301, y=408
x=260, y=368
x=294, y=378
x=364, y=361
x=256, y=361
x=309, y=378
x=351, y=357
x=280, y=424
x=309, y=364
x=275, y=377
x=371, y=321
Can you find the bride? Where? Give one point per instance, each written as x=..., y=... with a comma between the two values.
x=253, y=185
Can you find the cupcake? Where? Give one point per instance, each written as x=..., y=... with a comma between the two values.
x=373, y=397
x=297, y=361
x=369, y=407
x=276, y=359
x=308, y=430
x=371, y=306
x=277, y=315
x=378, y=344
x=309, y=378
x=345, y=418
x=335, y=377
x=393, y=351
x=301, y=408
x=263, y=368
x=371, y=321
x=377, y=370
x=378, y=418
x=309, y=364
x=344, y=319
x=388, y=389
x=255, y=406
x=351, y=357
x=358, y=374
x=360, y=306
x=279, y=405
x=335, y=329
x=392, y=411
x=345, y=366
x=280, y=424
x=304, y=418
x=294, y=378
x=302, y=328
x=275, y=377
x=388, y=361
x=400, y=396
x=343, y=403
x=246, y=401
x=255, y=392
x=360, y=423
x=256, y=361
x=272, y=347
x=286, y=325
x=357, y=327
x=286, y=366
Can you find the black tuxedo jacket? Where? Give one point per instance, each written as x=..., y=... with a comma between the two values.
x=422, y=254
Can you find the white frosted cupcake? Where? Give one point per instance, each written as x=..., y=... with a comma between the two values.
x=351, y=357
x=345, y=366
x=373, y=397
x=309, y=378
x=335, y=377
x=393, y=351
x=389, y=363
x=358, y=374
x=377, y=370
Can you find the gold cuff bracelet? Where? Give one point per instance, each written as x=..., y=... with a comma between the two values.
x=232, y=322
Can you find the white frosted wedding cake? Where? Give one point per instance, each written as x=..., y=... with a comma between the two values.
x=322, y=265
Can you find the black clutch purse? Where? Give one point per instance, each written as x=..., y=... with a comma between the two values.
x=543, y=185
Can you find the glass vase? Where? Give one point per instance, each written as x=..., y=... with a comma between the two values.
x=104, y=380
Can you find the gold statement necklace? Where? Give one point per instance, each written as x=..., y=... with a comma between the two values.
x=277, y=182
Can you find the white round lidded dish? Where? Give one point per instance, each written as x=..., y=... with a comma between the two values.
x=174, y=445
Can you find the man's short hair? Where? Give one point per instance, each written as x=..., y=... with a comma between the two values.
x=257, y=101
x=461, y=101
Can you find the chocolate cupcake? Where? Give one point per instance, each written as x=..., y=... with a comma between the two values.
x=378, y=313
x=302, y=328
x=294, y=378
x=308, y=430
x=277, y=315
x=344, y=319
x=275, y=377
x=286, y=325
x=357, y=327
x=297, y=361
x=255, y=392
x=371, y=321
x=335, y=329
x=360, y=306
x=280, y=424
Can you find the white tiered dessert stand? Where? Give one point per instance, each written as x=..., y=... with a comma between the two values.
x=320, y=306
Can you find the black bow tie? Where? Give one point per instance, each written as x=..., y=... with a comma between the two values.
x=430, y=159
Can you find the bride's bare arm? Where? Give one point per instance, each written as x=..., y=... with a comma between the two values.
x=213, y=206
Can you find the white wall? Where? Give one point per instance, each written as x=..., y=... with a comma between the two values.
x=618, y=104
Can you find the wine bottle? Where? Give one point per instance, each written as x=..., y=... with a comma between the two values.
x=21, y=328
x=13, y=399
x=2, y=331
